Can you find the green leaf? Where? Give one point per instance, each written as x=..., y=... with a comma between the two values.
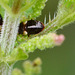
x=1, y=11
x=65, y=15
x=11, y=3
x=66, y=12
x=20, y=39
x=7, y=1
x=35, y=8
x=17, y=72
x=16, y=55
x=5, y=7
x=42, y=42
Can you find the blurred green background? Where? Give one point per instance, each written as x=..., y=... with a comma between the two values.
x=58, y=60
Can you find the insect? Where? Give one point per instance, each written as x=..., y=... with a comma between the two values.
x=33, y=27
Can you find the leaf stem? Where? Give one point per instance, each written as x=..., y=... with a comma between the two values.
x=5, y=69
x=9, y=33
x=5, y=6
x=16, y=6
x=23, y=9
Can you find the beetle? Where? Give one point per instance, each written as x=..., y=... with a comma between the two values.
x=33, y=27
